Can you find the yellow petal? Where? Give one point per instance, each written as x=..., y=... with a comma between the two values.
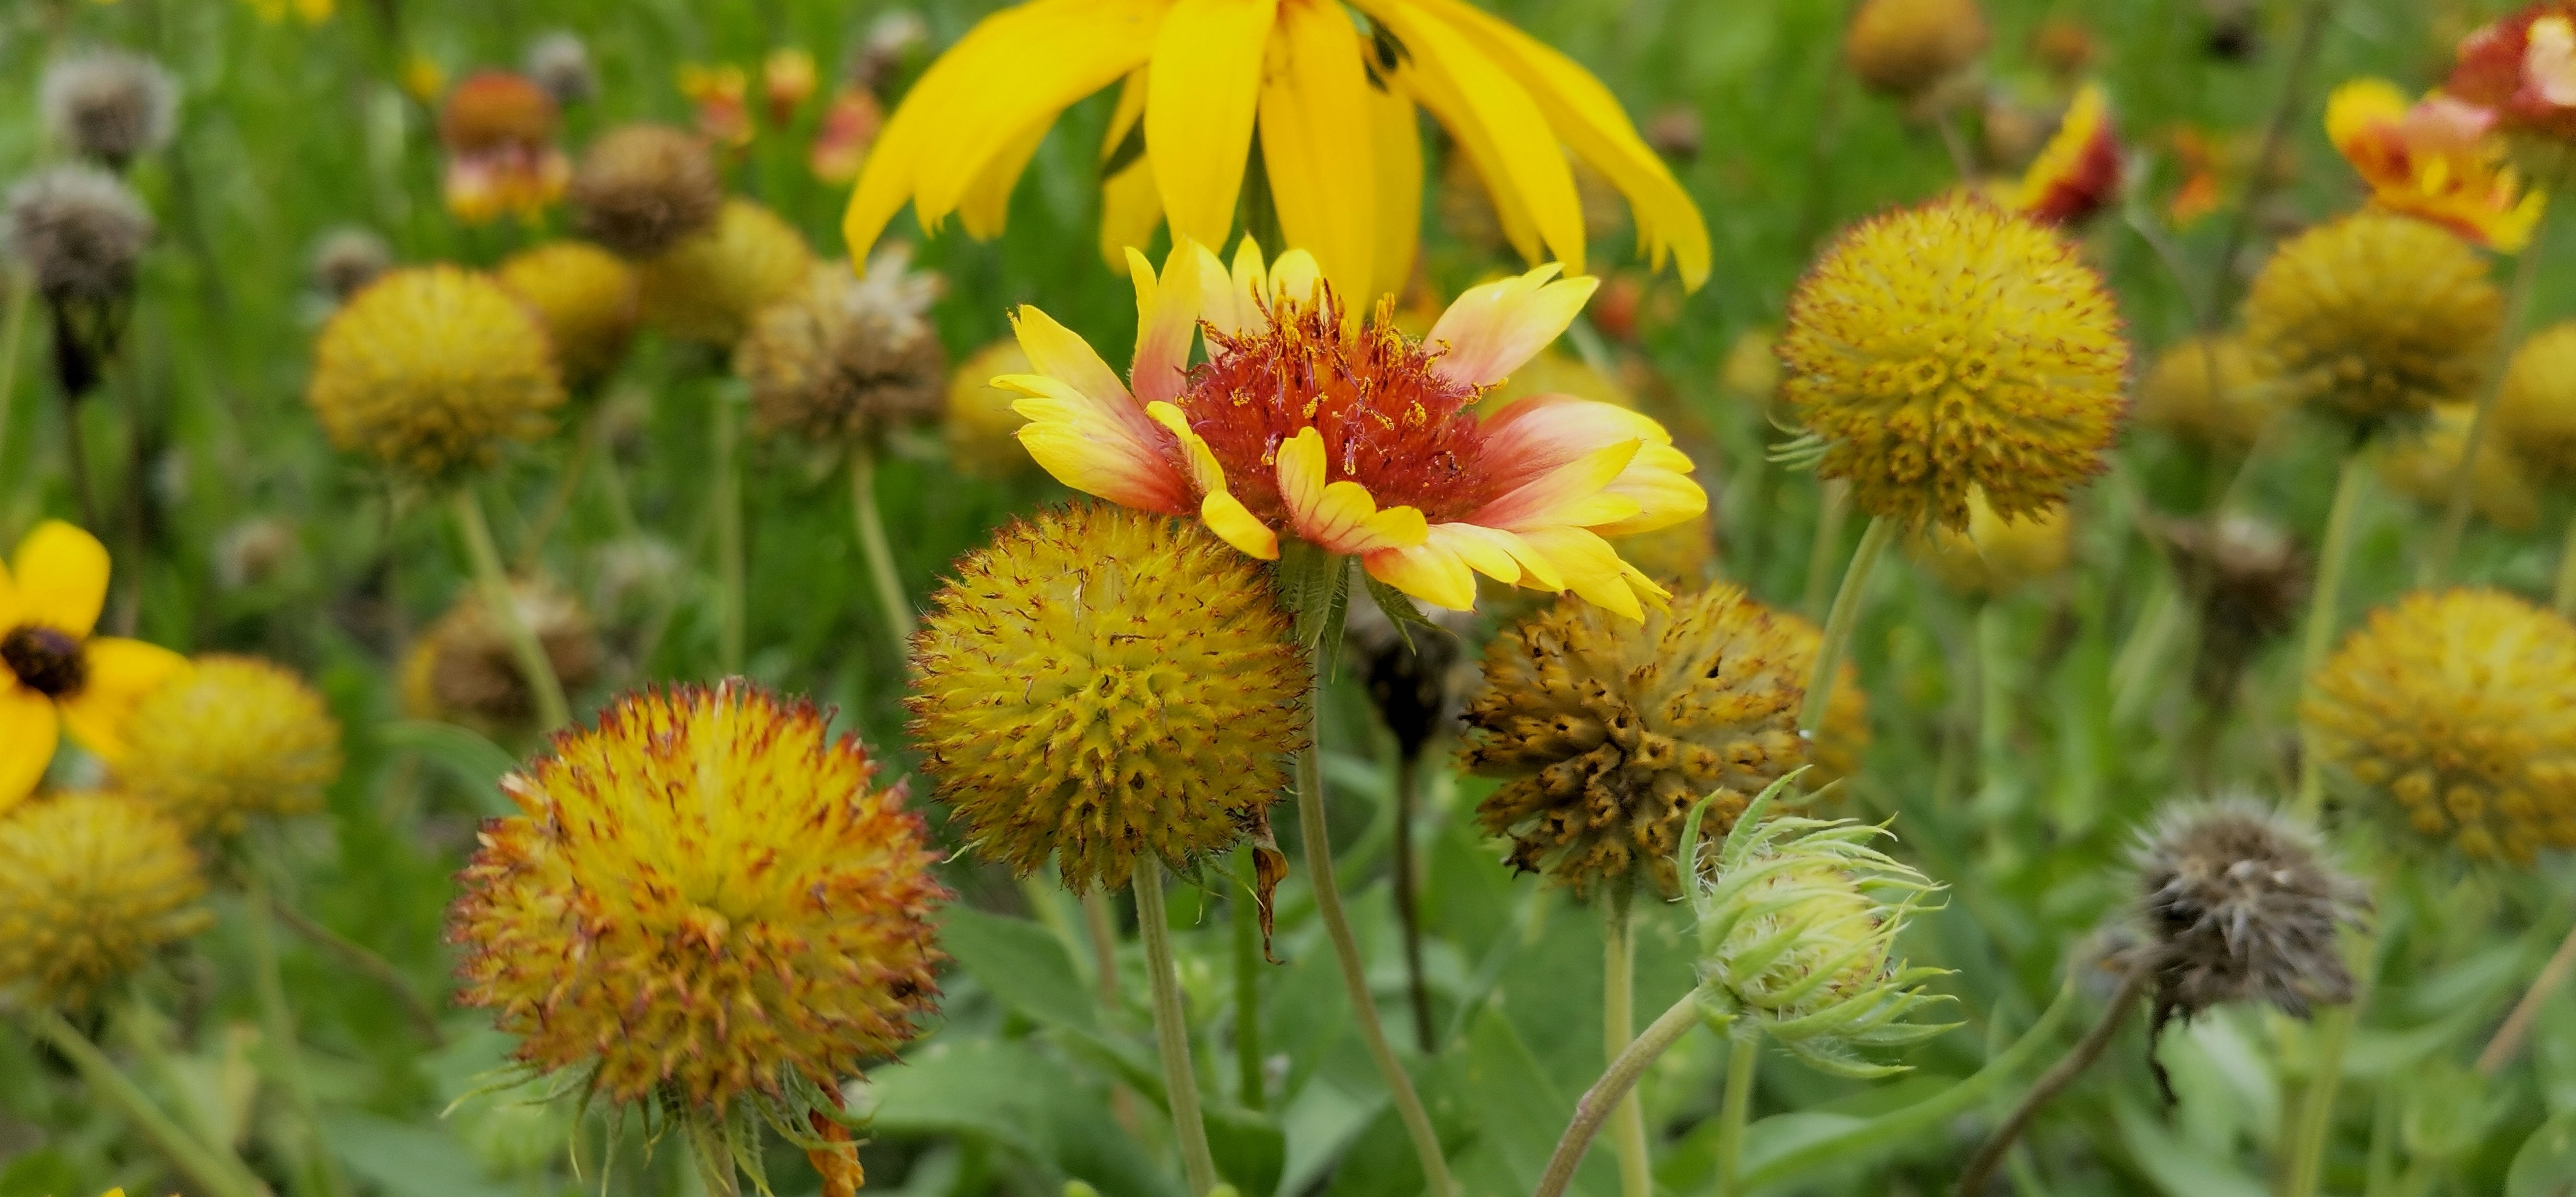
x=1431, y=572
x=61, y=578
x=1167, y=317
x=1060, y=353
x=1592, y=569
x=1314, y=96
x=2357, y=109
x=1494, y=116
x=1234, y=523
x=1105, y=448
x=986, y=205
x=1199, y=108
x=1233, y=300
x=120, y=673
x=1293, y=277
x=1659, y=482
x=1395, y=137
x=1130, y=209
x=1489, y=331
x=1341, y=517
x=28, y=732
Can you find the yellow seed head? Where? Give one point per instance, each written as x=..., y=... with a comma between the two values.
x=1994, y=555
x=2209, y=391
x=2372, y=317
x=586, y=297
x=844, y=358
x=1955, y=346
x=1103, y=683
x=1609, y=730
x=2421, y=461
x=429, y=369
x=232, y=738
x=1904, y=47
x=2460, y=708
x=90, y=886
x=983, y=431
x=461, y=670
x=709, y=285
x=705, y=895
x=2535, y=414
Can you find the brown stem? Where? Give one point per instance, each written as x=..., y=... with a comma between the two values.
x=2508, y=1040
x=1981, y=1167
x=1408, y=911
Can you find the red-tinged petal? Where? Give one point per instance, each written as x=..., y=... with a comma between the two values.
x=1167, y=316
x=1492, y=329
x=1096, y=450
x=1225, y=515
x=1572, y=494
x=1592, y=569
x=1543, y=432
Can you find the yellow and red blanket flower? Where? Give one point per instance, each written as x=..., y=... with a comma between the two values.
x=2523, y=67
x=1354, y=437
x=2436, y=160
x=1331, y=88
x=720, y=94
x=842, y=138
x=53, y=673
x=498, y=129
x=2078, y=171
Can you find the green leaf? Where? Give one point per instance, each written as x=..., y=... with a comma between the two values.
x=1022, y=963
x=1251, y=1151
x=2177, y=1166
x=406, y=1160
x=476, y=763
x=1519, y=1113
x=2546, y=1165
x=41, y=1173
x=1399, y=609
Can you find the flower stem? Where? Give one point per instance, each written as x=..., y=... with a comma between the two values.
x=424, y=1019
x=2455, y=512
x=727, y=497
x=559, y=501
x=2565, y=599
x=2331, y=555
x=13, y=339
x=710, y=1144
x=1250, y=1083
x=1408, y=897
x=1102, y=923
x=1833, y=507
x=1981, y=1166
x=277, y=1021
x=1346, y=948
x=537, y=668
x=2508, y=1040
x=873, y=546
x=1171, y=1030
x=2316, y=1106
x=1618, y=1030
x=2276, y=132
x=215, y=1169
x=1595, y=1106
x=1741, y=1062
x=1839, y=624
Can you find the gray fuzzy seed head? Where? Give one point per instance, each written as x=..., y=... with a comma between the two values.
x=108, y=105
x=560, y=64
x=79, y=231
x=2239, y=904
x=347, y=259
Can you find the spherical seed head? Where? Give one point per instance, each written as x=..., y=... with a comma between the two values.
x=641, y=188
x=1905, y=47
x=982, y=428
x=2373, y=317
x=559, y=62
x=710, y=284
x=430, y=368
x=1835, y=752
x=586, y=297
x=232, y=738
x=2239, y=905
x=90, y=886
x=1609, y=729
x=79, y=231
x=2535, y=414
x=347, y=259
x=2421, y=461
x=2456, y=707
x=461, y=670
x=844, y=357
x=2208, y=390
x=706, y=894
x=1101, y=684
x=1994, y=555
x=108, y=105
x=1950, y=347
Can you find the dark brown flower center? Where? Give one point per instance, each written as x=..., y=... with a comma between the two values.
x=46, y=660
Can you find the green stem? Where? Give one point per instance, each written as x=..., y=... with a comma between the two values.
x=320, y=1169
x=1838, y=625
x=1981, y=1166
x=2507, y=1043
x=2332, y=553
x=424, y=1019
x=1741, y=1062
x=1594, y=1107
x=1618, y=1030
x=215, y=1169
x=1250, y=1082
x=559, y=501
x=1171, y=1029
x=2565, y=598
x=1833, y=508
x=1102, y=923
x=534, y=665
x=2276, y=132
x=13, y=340
x=2455, y=512
x=1346, y=948
x=1408, y=896
x=1994, y=700
x=873, y=546
x=2316, y=1107
x=710, y=1144
x=2150, y=643
x=727, y=497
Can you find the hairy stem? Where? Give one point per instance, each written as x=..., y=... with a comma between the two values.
x=1250, y=1083
x=424, y=1019
x=1171, y=1030
x=1595, y=1106
x=1618, y=1030
x=727, y=497
x=1981, y=1166
x=2332, y=552
x=874, y=547
x=1833, y=507
x=530, y=654
x=1839, y=624
x=1741, y=1062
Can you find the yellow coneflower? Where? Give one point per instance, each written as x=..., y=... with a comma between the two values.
x=983, y=431
x=587, y=298
x=1907, y=47
x=1609, y=730
x=708, y=285
x=2535, y=413
x=55, y=675
x=2239, y=905
x=2372, y=317
x=1954, y=347
x=706, y=902
x=1106, y=685
x=2422, y=462
x=2210, y=391
x=232, y=738
x=1994, y=555
x=844, y=358
x=2453, y=706
x=430, y=369
x=2437, y=160
x=1333, y=107
x=1354, y=437
x=641, y=188
x=90, y=886
x=461, y=670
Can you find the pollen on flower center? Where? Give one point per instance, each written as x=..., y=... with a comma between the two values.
x=1388, y=422
x=46, y=660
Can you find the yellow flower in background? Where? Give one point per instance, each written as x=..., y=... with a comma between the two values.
x=1994, y=555
x=2420, y=461
x=786, y=82
x=2436, y=160
x=2078, y=171
x=422, y=78
x=710, y=284
x=430, y=368
x=719, y=92
x=311, y=12
x=1357, y=440
x=1334, y=108
x=54, y=675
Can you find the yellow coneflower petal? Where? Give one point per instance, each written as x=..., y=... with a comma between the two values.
x=1502, y=127
x=986, y=204
x=1342, y=517
x=1094, y=446
x=1123, y=118
x=1167, y=317
x=1293, y=277
x=1396, y=137
x=1659, y=481
x=1490, y=330
x=1314, y=96
x=120, y=673
x=60, y=579
x=1231, y=301
x=1199, y=108
x=29, y=731
x=1059, y=352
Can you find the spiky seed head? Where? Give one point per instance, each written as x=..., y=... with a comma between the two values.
x=587, y=298
x=2453, y=706
x=1608, y=730
x=559, y=62
x=704, y=896
x=347, y=259
x=2208, y=390
x=710, y=284
x=91, y=884
x=2240, y=905
x=2535, y=414
x=79, y=231
x=461, y=669
x=2420, y=461
x=232, y=738
x=1994, y=555
x=108, y=105
x=1103, y=684
x=1904, y=48
x=844, y=358
x=983, y=430
x=640, y=188
x=2373, y=317
x=430, y=369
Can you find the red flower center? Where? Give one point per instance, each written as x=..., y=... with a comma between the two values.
x=46, y=660
x=1388, y=422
